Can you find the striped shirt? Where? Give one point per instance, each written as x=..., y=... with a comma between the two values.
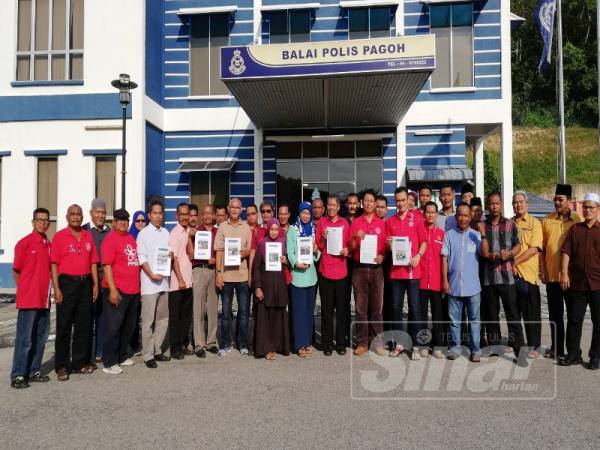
x=502, y=236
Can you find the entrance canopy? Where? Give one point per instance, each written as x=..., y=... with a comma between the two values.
x=363, y=82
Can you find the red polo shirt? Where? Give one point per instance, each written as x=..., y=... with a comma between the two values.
x=73, y=257
x=411, y=227
x=431, y=262
x=119, y=251
x=376, y=227
x=333, y=267
x=32, y=263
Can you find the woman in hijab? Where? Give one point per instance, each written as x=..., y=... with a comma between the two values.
x=304, y=280
x=138, y=221
x=271, y=333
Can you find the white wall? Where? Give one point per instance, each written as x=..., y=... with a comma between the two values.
x=113, y=43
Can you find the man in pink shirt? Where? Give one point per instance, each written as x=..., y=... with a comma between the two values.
x=405, y=279
x=367, y=276
x=431, y=270
x=334, y=279
x=180, y=296
x=121, y=284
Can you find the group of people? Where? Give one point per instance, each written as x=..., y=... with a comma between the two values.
x=456, y=263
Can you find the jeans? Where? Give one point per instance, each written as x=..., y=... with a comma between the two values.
x=33, y=326
x=119, y=322
x=577, y=302
x=243, y=298
x=411, y=288
x=303, y=315
x=455, y=308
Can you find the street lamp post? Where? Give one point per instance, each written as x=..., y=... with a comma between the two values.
x=124, y=85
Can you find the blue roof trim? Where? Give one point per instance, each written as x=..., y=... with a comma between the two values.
x=61, y=107
x=47, y=83
x=101, y=151
x=53, y=152
x=5, y=153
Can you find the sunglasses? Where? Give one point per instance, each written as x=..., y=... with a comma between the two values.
x=140, y=221
x=265, y=211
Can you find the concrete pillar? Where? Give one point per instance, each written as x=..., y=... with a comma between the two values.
x=258, y=165
x=401, y=154
x=479, y=169
x=506, y=168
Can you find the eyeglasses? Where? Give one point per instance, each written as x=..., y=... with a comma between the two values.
x=266, y=211
x=140, y=221
x=41, y=220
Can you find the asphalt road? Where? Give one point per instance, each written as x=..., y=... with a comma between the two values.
x=317, y=402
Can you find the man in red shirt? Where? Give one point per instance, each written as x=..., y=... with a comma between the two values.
x=75, y=280
x=405, y=279
x=334, y=279
x=431, y=281
x=367, y=276
x=31, y=270
x=121, y=288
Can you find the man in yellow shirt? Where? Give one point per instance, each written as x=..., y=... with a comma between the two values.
x=526, y=268
x=554, y=229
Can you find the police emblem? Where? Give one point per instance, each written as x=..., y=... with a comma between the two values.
x=237, y=65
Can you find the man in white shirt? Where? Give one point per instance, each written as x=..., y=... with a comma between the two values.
x=154, y=287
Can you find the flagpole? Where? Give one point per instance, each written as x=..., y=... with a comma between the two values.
x=561, y=98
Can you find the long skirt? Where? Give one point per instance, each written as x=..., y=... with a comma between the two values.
x=271, y=330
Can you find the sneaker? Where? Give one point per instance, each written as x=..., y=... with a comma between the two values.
x=19, y=383
x=39, y=378
x=114, y=370
x=475, y=357
x=244, y=351
x=127, y=362
x=424, y=352
x=224, y=351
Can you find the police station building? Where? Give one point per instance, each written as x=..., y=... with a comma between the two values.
x=260, y=99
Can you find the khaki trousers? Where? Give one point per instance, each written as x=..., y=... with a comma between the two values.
x=155, y=321
x=205, y=307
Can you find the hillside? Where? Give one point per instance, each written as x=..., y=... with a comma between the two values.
x=536, y=157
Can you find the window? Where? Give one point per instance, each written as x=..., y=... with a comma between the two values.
x=289, y=26
x=47, y=189
x=452, y=26
x=105, y=181
x=309, y=169
x=209, y=188
x=209, y=33
x=50, y=40
x=365, y=23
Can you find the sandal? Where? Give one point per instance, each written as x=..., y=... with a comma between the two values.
x=302, y=353
x=308, y=350
x=397, y=351
x=271, y=356
x=533, y=354
x=415, y=356
x=62, y=375
x=85, y=370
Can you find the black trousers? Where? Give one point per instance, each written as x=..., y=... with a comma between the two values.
x=530, y=310
x=556, y=314
x=577, y=302
x=181, y=304
x=119, y=323
x=348, y=302
x=75, y=312
x=490, y=313
x=439, y=315
x=334, y=302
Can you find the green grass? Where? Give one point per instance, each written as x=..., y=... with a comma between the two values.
x=536, y=154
